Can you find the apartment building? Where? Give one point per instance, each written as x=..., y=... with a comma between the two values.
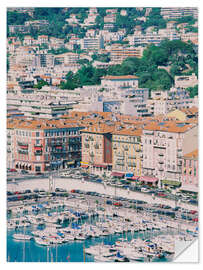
x=127, y=151
x=190, y=175
x=119, y=81
x=41, y=145
x=164, y=144
x=67, y=58
x=186, y=81
x=93, y=43
x=41, y=105
x=118, y=55
x=178, y=12
x=97, y=148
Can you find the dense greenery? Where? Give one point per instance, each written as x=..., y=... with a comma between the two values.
x=178, y=55
x=40, y=84
x=101, y=57
x=58, y=51
x=193, y=91
x=155, y=19
x=17, y=18
x=186, y=19
x=87, y=75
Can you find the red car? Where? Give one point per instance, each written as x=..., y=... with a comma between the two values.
x=161, y=194
x=118, y=204
x=73, y=191
x=12, y=170
x=193, y=212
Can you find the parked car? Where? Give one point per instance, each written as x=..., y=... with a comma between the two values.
x=38, y=173
x=160, y=194
x=118, y=204
x=109, y=202
x=24, y=172
x=12, y=170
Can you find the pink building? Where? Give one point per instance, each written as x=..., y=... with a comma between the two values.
x=190, y=171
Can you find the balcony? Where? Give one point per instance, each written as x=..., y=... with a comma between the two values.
x=24, y=152
x=38, y=153
x=131, y=164
x=56, y=143
x=22, y=144
x=115, y=147
x=161, y=154
x=161, y=169
x=120, y=163
x=38, y=145
x=96, y=146
x=161, y=162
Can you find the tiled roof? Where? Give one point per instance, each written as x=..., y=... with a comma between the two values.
x=193, y=154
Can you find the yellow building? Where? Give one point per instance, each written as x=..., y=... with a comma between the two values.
x=179, y=115
x=127, y=151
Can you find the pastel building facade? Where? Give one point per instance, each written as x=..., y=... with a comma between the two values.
x=190, y=175
x=97, y=150
x=41, y=145
x=127, y=151
x=163, y=146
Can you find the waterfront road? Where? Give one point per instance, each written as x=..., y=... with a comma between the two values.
x=69, y=184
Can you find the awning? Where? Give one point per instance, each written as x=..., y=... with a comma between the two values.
x=84, y=163
x=148, y=179
x=84, y=166
x=171, y=183
x=190, y=188
x=70, y=162
x=118, y=174
x=129, y=175
x=135, y=178
x=100, y=165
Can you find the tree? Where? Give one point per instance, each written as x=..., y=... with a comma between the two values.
x=193, y=91
x=40, y=84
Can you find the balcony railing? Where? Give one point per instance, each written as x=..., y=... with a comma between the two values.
x=22, y=144
x=131, y=165
x=24, y=152
x=96, y=146
x=161, y=162
x=38, y=153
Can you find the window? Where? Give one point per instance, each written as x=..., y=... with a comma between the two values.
x=38, y=168
x=195, y=171
x=37, y=134
x=37, y=141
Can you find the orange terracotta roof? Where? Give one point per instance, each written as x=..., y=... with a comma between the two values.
x=193, y=154
x=169, y=126
x=128, y=132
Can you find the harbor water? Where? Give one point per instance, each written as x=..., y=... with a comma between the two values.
x=29, y=251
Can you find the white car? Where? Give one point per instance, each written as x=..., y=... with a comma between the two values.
x=144, y=190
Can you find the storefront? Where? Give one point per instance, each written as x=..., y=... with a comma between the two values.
x=147, y=180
